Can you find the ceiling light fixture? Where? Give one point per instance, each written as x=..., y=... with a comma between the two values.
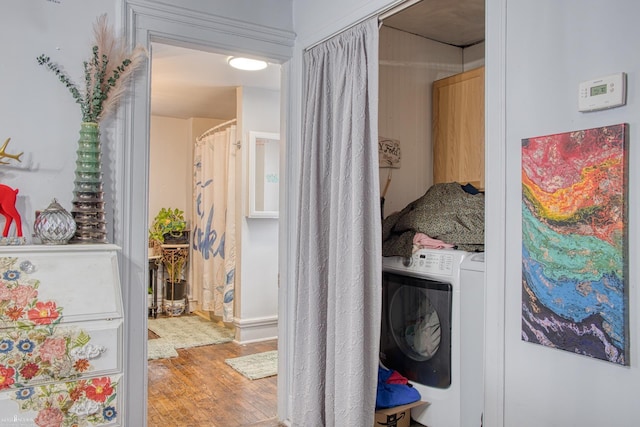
x=246, y=63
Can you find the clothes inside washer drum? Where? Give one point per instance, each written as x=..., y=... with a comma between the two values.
x=424, y=337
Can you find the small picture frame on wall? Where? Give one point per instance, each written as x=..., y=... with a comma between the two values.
x=388, y=153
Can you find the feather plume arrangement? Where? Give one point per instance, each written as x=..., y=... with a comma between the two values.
x=106, y=73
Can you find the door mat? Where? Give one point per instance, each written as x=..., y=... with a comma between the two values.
x=159, y=348
x=256, y=366
x=188, y=331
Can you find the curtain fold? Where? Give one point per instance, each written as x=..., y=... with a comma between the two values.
x=338, y=296
x=213, y=243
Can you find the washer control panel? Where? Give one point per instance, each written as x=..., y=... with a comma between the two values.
x=430, y=262
x=427, y=262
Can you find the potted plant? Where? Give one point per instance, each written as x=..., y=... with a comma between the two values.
x=175, y=284
x=169, y=226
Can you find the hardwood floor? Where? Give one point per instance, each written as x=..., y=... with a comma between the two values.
x=198, y=389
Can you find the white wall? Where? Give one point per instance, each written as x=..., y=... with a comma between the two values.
x=36, y=110
x=473, y=56
x=270, y=13
x=409, y=64
x=551, y=47
x=313, y=20
x=169, y=165
x=171, y=143
x=257, y=297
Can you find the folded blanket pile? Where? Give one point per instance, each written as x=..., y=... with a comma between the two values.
x=446, y=212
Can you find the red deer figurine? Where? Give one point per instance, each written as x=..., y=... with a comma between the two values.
x=8, y=208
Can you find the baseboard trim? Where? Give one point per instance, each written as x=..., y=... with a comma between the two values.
x=256, y=329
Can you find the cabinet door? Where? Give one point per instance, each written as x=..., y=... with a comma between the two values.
x=458, y=128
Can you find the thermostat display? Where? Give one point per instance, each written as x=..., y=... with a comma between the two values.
x=598, y=90
x=602, y=93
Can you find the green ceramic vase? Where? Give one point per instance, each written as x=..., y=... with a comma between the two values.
x=88, y=204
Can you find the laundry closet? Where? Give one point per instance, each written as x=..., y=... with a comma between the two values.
x=431, y=145
x=414, y=72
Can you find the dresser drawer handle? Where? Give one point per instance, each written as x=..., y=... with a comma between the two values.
x=27, y=266
x=88, y=351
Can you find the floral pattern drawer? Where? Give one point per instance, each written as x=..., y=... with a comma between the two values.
x=48, y=287
x=30, y=356
x=87, y=402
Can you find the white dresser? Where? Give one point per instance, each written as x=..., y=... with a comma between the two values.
x=61, y=328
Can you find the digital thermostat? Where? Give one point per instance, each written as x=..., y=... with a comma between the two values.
x=602, y=93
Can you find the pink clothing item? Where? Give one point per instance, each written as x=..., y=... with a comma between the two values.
x=422, y=241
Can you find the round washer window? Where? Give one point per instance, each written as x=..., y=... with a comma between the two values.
x=415, y=324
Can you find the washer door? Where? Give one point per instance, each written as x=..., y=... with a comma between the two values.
x=416, y=328
x=415, y=324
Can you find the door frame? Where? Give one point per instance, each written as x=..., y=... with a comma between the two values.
x=495, y=211
x=146, y=22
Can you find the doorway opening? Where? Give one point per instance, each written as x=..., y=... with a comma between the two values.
x=193, y=94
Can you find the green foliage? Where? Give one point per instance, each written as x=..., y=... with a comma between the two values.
x=167, y=221
x=82, y=339
x=97, y=85
x=64, y=78
x=110, y=66
x=175, y=269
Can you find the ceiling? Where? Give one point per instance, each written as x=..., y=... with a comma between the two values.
x=193, y=83
x=455, y=22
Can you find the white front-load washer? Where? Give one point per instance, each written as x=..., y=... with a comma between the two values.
x=431, y=319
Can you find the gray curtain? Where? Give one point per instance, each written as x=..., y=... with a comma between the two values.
x=338, y=298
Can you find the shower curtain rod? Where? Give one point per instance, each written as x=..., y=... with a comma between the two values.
x=382, y=15
x=215, y=128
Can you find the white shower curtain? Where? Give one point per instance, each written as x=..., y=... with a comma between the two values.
x=338, y=298
x=213, y=247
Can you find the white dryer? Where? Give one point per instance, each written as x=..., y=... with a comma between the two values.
x=432, y=332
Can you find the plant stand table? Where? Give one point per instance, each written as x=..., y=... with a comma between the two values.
x=175, y=266
x=154, y=260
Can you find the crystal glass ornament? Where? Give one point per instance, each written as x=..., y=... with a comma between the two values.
x=54, y=225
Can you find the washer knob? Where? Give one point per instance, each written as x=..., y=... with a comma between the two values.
x=407, y=261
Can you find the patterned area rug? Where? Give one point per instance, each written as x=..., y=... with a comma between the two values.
x=184, y=332
x=256, y=366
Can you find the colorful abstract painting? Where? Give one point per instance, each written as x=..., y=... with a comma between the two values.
x=574, y=242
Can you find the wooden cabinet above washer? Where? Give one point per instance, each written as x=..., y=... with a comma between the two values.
x=458, y=128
